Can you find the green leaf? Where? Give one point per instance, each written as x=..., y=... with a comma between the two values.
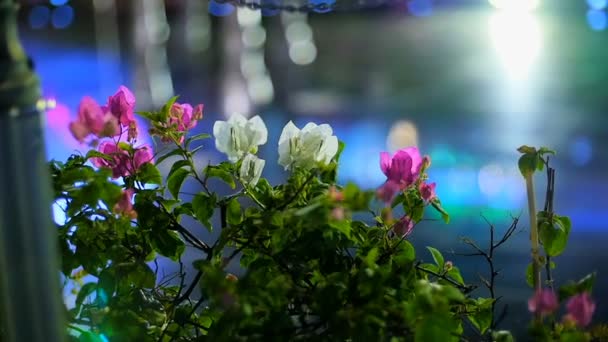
x=404, y=254
x=573, y=288
x=85, y=291
x=343, y=226
x=149, y=174
x=142, y=276
x=97, y=154
x=88, y=336
x=530, y=275
x=197, y=137
x=233, y=212
x=545, y=150
x=203, y=207
x=164, y=113
x=454, y=273
x=502, y=336
x=167, y=243
x=175, y=181
x=526, y=149
x=555, y=237
x=218, y=172
x=437, y=256
x=482, y=317
x=175, y=152
x=444, y=214
x=528, y=164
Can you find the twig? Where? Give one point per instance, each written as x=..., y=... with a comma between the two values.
x=297, y=193
x=464, y=288
x=549, y=210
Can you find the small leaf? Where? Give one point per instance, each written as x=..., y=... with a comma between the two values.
x=573, y=288
x=85, y=291
x=219, y=172
x=530, y=275
x=197, y=137
x=149, y=174
x=175, y=181
x=555, y=236
x=528, y=164
x=164, y=113
x=233, y=212
x=545, y=150
x=167, y=243
x=444, y=214
x=343, y=226
x=526, y=149
x=175, y=152
x=439, y=261
x=454, y=273
x=203, y=207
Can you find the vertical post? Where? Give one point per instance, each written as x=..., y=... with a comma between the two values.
x=30, y=304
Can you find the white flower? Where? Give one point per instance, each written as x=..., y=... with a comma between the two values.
x=251, y=169
x=308, y=147
x=239, y=136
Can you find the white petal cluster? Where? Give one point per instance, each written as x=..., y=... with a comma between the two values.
x=251, y=169
x=306, y=148
x=239, y=136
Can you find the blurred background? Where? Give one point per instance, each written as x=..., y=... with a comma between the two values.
x=467, y=81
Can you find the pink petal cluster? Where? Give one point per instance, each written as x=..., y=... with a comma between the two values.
x=106, y=121
x=427, y=191
x=124, y=205
x=184, y=117
x=543, y=302
x=92, y=119
x=404, y=227
x=580, y=309
x=122, y=164
x=401, y=170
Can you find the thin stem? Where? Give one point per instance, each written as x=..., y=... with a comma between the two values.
x=533, y=231
x=464, y=288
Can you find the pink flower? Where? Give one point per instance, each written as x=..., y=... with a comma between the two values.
x=403, y=227
x=403, y=168
x=92, y=119
x=337, y=213
x=119, y=162
x=427, y=191
x=125, y=205
x=335, y=194
x=122, y=105
x=387, y=191
x=184, y=116
x=544, y=302
x=580, y=309
x=142, y=155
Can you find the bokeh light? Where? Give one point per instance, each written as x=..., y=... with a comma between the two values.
x=515, y=5
x=303, y=52
x=254, y=36
x=597, y=20
x=220, y=9
x=62, y=16
x=491, y=179
x=248, y=17
x=260, y=89
x=298, y=31
x=59, y=2
x=597, y=4
x=39, y=16
x=402, y=134
x=420, y=8
x=581, y=151
x=517, y=39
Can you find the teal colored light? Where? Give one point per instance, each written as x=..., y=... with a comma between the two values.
x=103, y=338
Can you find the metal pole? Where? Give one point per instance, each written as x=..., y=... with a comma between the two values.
x=30, y=297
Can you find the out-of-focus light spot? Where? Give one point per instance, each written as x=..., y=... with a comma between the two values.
x=597, y=4
x=516, y=36
x=597, y=20
x=462, y=180
x=39, y=16
x=254, y=36
x=515, y=5
x=248, y=17
x=59, y=2
x=235, y=98
x=581, y=151
x=50, y=103
x=402, y=134
x=298, y=31
x=62, y=16
x=260, y=89
x=322, y=6
x=220, y=9
x=303, y=53
x=491, y=179
x=420, y=8
x=252, y=64
x=269, y=12
x=442, y=155
x=103, y=338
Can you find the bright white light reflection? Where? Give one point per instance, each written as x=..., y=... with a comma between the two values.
x=516, y=36
x=515, y=5
x=491, y=179
x=403, y=134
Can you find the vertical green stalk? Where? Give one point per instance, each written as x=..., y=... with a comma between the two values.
x=533, y=231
